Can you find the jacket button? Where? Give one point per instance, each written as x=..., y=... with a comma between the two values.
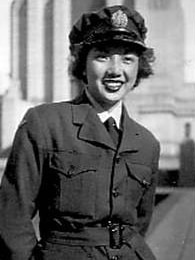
x=117, y=159
x=145, y=183
x=115, y=193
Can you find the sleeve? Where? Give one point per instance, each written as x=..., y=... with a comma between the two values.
x=146, y=205
x=19, y=190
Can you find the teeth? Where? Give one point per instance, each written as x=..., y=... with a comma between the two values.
x=113, y=86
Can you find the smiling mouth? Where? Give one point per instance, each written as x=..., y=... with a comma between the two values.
x=112, y=86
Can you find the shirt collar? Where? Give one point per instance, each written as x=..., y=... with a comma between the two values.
x=115, y=111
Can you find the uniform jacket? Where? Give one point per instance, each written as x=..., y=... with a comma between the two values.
x=64, y=164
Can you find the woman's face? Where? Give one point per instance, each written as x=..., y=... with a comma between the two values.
x=111, y=72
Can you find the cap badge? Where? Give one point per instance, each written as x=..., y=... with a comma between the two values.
x=119, y=19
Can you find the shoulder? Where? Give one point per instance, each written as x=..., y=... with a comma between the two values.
x=149, y=141
x=146, y=137
x=44, y=122
x=46, y=116
x=54, y=108
x=149, y=137
x=48, y=111
x=137, y=127
x=150, y=145
x=146, y=133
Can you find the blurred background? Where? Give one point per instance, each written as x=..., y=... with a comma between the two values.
x=34, y=58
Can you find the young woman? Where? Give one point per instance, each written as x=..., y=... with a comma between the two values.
x=92, y=182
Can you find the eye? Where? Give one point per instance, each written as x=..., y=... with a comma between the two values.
x=101, y=56
x=129, y=58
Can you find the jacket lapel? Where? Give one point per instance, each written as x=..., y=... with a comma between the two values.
x=91, y=128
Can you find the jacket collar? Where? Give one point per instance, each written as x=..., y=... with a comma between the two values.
x=92, y=129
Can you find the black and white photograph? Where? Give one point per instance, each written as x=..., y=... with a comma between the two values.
x=97, y=130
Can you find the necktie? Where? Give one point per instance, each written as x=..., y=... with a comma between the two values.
x=111, y=127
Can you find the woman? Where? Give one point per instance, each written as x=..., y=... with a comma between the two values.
x=92, y=182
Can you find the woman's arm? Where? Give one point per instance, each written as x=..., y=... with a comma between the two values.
x=19, y=190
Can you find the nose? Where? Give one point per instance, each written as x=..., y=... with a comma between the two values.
x=115, y=66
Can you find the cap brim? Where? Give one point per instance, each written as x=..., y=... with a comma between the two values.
x=114, y=35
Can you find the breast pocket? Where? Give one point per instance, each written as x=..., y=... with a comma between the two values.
x=138, y=180
x=73, y=182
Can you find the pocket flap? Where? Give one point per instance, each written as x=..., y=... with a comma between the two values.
x=72, y=163
x=142, y=173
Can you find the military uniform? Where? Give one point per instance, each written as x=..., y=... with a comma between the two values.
x=95, y=198
x=64, y=164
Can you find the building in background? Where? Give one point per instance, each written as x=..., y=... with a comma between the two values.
x=39, y=58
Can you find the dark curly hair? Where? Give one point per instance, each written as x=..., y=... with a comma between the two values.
x=78, y=62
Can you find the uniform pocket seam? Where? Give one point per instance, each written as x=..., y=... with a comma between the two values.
x=70, y=174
